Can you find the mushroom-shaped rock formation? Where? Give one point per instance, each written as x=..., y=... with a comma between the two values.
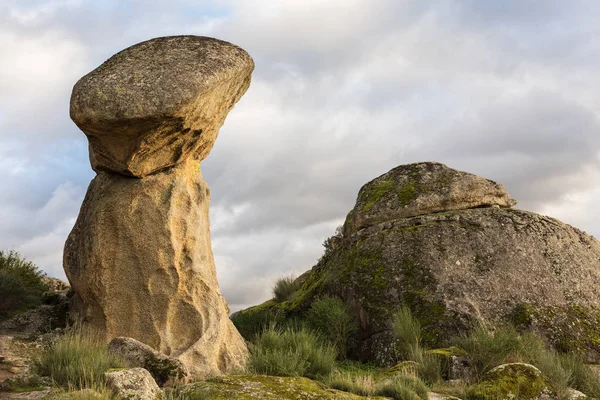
x=160, y=102
x=450, y=248
x=139, y=257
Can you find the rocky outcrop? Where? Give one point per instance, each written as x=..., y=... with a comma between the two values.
x=456, y=259
x=139, y=257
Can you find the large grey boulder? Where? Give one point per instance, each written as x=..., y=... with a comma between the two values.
x=454, y=266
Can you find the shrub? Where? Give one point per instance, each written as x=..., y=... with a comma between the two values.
x=409, y=338
x=21, y=285
x=76, y=360
x=331, y=318
x=291, y=352
x=285, y=288
x=488, y=349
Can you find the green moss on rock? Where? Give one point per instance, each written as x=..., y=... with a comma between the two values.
x=569, y=328
x=510, y=381
x=263, y=387
x=253, y=320
x=373, y=195
x=407, y=193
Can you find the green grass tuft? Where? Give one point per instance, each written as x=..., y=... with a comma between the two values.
x=78, y=360
x=408, y=332
x=291, y=352
x=285, y=288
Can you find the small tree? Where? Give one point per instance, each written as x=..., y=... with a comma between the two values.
x=21, y=284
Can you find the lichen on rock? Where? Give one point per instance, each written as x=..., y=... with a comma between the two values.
x=264, y=387
x=447, y=245
x=511, y=381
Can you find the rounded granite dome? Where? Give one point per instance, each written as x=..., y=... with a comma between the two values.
x=423, y=188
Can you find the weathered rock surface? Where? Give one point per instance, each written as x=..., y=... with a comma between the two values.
x=164, y=370
x=140, y=261
x=454, y=269
x=264, y=387
x=510, y=381
x=133, y=384
x=422, y=188
x=139, y=257
x=159, y=102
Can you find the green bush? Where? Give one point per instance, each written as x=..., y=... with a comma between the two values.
x=290, y=352
x=285, y=288
x=409, y=339
x=488, y=349
x=21, y=285
x=77, y=360
x=331, y=318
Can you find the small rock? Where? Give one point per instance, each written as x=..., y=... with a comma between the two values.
x=460, y=368
x=437, y=396
x=165, y=370
x=509, y=380
x=133, y=384
x=573, y=394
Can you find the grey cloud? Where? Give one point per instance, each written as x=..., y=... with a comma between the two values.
x=343, y=91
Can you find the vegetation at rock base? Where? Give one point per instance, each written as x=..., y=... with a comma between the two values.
x=285, y=288
x=77, y=360
x=489, y=348
x=404, y=387
x=291, y=352
x=331, y=318
x=408, y=331
x=21, y=284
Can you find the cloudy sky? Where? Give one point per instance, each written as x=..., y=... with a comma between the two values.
x=343, y=91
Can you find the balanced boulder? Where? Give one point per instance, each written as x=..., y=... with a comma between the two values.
x=139, y=257
x=160, y=102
